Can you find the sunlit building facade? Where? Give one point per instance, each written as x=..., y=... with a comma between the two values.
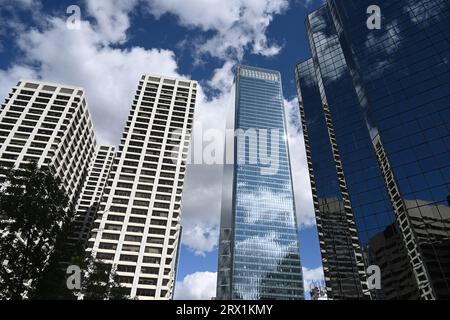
x=48, y=124
x=258, y=249
x=137, y=229
x=91, y=194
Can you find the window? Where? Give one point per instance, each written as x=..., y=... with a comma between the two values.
x=128, y=257
x=123, y=268
x=110, y=236
x=133, y=238
x=145, y=292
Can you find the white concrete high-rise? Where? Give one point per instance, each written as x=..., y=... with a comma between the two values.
x=91, y=193
x=49, y=124
x=138, y=229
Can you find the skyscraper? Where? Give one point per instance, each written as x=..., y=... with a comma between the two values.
x=258, y=248
x=375, y=113
x=91, y=193
x=49, y=124
x=342, y=256
x=137, y=229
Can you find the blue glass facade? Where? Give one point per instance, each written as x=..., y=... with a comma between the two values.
x=385, y=99
x=343, y=263
x=259, y=251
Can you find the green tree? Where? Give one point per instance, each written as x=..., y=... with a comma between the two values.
x=35, y=215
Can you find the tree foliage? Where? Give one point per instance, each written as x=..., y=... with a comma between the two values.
x=35, y=215
x=36, y=219
x=100, y=282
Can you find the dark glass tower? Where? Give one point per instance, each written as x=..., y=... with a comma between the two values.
x=375, y=107
x=258, y=251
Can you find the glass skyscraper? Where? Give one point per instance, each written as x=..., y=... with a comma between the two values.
x=259, y=250
x=375, y=107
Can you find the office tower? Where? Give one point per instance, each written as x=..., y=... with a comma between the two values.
x=91, y=193
x=49, y=124
x=342, y=256
x=137, y=229
x=258, y=246
x=376, y=119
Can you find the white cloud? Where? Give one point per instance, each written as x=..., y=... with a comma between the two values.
x=112, y=17
x=299, y=167
x=311, y=276
x=201, y=238
x=201, y=208
x=222, y=79
x=205, y=14
x=197, y=286
x=81, y=57
x=238, y=24
x=10, y=77
x=90, y=59
x=203, y=186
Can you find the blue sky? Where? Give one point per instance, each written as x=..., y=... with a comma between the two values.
x=198, y=39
